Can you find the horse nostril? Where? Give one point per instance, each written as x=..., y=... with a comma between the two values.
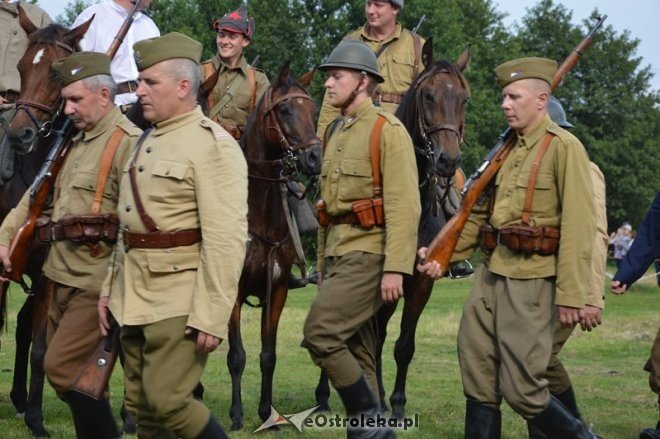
x=27, y=135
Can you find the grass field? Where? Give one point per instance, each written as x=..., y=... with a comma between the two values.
x=605, y=365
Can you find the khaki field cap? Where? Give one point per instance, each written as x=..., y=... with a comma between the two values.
x=169, y=46
x=81, y=65
x=523, y=68
x=354, y=55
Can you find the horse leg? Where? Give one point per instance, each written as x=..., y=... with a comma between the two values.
x=270, y=319
x=322, y=393
x=236, y=365
x=18, y=393
x=34, y=418
x=404, y=348
x=382, y=318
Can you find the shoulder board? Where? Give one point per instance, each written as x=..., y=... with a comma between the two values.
x=256, y=69
x=129, y=127
x=392, y=119
x=217, y=131
x=208, y=61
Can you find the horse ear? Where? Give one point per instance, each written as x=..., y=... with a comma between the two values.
x=284, y=73
x=427, y=53
x=74, y=36
x=463, y=60
x=25, y=22
x=306, y=79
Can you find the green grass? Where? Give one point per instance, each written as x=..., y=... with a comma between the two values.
x=605, y=366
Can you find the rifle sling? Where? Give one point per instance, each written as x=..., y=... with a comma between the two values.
x=104, y=169
x=231, y=90
x=146, y=219
x=533, y=173
x=374, y=149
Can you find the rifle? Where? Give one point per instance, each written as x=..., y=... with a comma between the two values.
x=443, y=245
x=255, y=61
x=123, y=30
x=93, y=379
x=419, y=24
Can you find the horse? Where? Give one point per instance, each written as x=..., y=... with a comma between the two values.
x=433, y=112
x=280, y=144
x=37, y=107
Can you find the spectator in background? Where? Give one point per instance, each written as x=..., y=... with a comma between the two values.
x=621, y=241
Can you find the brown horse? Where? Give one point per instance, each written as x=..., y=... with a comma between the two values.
x=37, y=110
x=433, y=112
x=280, y=144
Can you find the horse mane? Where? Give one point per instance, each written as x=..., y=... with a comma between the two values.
x=48, y=34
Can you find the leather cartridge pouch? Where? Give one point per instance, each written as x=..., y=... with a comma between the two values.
x=369, y=212
x=488, y=240
x=79, y=228
x=323, y=217
x=543, y=241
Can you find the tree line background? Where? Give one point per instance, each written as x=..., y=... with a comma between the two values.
x=607, y=97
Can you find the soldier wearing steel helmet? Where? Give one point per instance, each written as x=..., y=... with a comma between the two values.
x=363, y=250
x=397, y=49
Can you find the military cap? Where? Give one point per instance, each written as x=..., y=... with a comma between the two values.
x=398, y=3
x=236, y=22
x=81, y=65
x=169, y=46
x=523, y=68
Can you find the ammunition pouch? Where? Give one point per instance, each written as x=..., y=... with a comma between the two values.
x=79, y=228
x=366, y=213
x=521, y=238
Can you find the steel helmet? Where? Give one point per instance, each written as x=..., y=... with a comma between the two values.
x=557, y=113
x=354, y=55
x=398, y=3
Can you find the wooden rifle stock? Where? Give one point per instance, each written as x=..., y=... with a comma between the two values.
x=442, y=247
x=19, y=250
x=94, y=377
x=123, y=30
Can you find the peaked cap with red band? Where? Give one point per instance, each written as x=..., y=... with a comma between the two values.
x=236, y=22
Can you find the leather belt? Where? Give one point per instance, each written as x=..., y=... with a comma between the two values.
x=235, y=131
x=179, y=238
x=9, y=95
x=127, y=87
x=347, y=218
x=389, y=98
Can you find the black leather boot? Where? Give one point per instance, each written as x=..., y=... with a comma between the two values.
x=212, y=430
x=557, y=422
x=650, y=433
x=296, y=282
x=482, y=421
x=567, y=397
x=358, y=399
x=92, y=418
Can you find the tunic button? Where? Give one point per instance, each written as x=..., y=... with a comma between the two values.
x=15, y=32
x=149, y=149
x=175, y=268
x=167, y=172
x=508, y=194
x=128, y=208
x=140, y=168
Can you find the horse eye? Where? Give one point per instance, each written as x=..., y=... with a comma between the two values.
x=284, y=110
x=428, y=96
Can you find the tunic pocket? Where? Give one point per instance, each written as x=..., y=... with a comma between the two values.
x=545, y=201
x=172, y=262
x=356, y=182
x=168, y=181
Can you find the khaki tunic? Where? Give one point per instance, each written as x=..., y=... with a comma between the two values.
x=190, y=174
x=557, y=203
x=346, y=176
x=236, y=111
x=14, y=41
x=396, y=65
x=71, y=263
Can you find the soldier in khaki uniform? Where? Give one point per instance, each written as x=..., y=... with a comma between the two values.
x=399, y=57
x=87, y=187
x=239, y=85
x=183, y=212
x=360, y=265
x=506, y=331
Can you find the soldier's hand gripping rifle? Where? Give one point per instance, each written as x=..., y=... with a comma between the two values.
x=444, y=243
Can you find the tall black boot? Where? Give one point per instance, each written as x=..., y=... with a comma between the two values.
x=650, y=433
x=482, y=421
x=212, y=430
x=358, y=399
x=567, y=397
x=92, y=418
x=557, y=422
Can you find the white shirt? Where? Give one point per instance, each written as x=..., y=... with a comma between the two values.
x=108, y=18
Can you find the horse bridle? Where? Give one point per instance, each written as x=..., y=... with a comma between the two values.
x=288, y=162
x=44, y=129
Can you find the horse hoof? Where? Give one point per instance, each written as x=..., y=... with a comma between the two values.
x=322, y=407
x=236, y=425
x=39, y=431
x=398, y=414
x=129, y=426
x=20, y=415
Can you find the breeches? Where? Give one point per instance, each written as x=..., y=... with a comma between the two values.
x=72, y=335
x=161, y=369
x=339, y=331
x=557, y=375
x=505, y=341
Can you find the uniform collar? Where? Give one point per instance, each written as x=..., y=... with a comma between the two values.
x=107, y=122
x=360, y=111
x=178, y=121
x=219, y=64
x=530, y=139
x=394, y=36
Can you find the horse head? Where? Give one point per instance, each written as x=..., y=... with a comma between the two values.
x=433, y=110
x=39, y=98
x=281, y=129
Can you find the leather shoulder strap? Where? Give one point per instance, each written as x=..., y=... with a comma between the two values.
x=232, y=87
x=533, y=173
x=144, y=216
x=417, y=47
x=208, y=72
x=253, y=89
x=104, y=167
x=374, y=149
